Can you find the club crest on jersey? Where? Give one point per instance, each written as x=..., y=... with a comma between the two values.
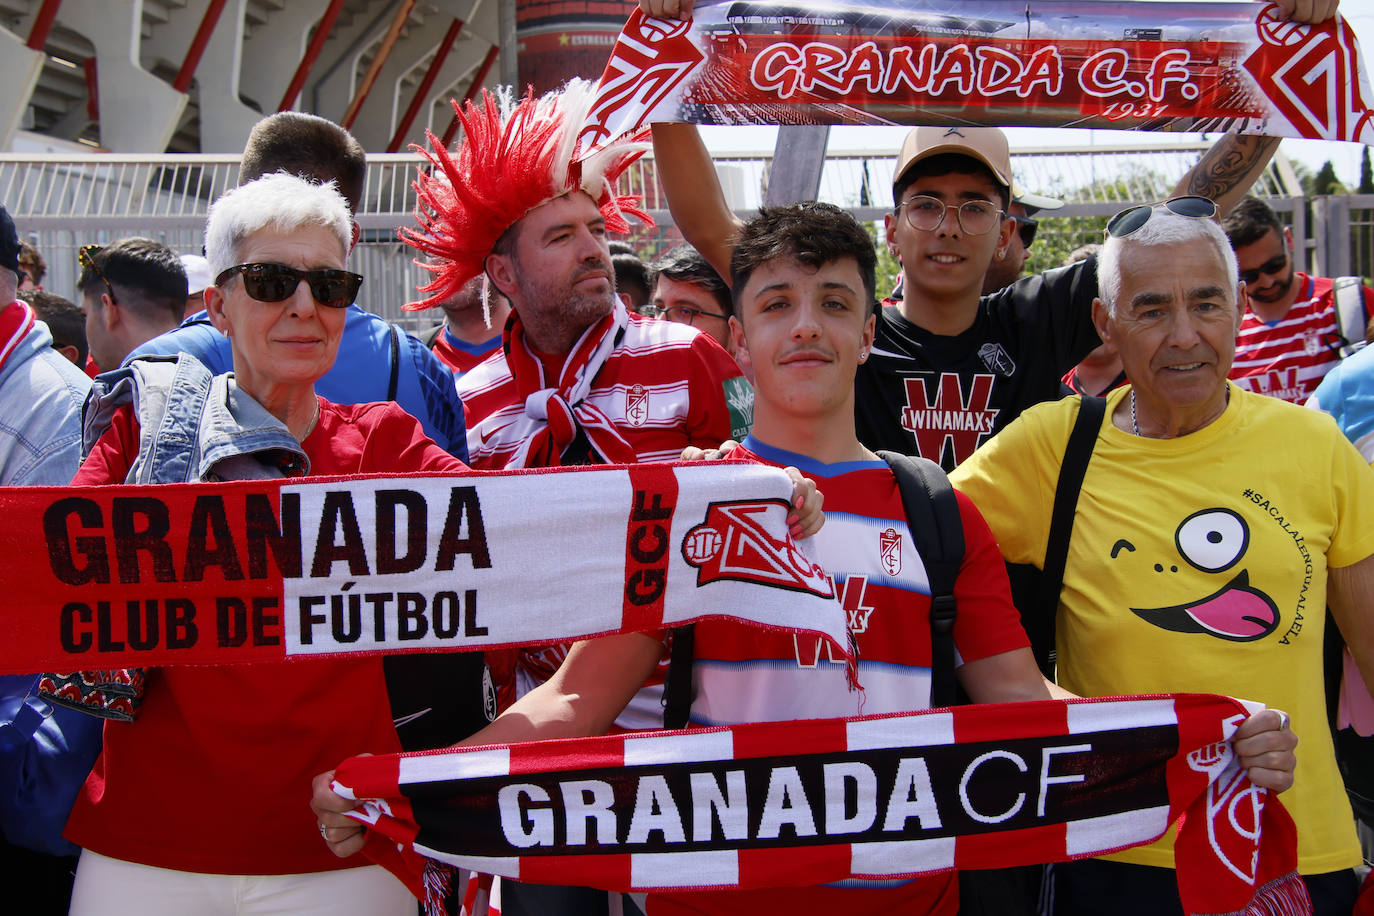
x=890, y=550
x=997, y=359
x=735, y=542
x=637, y=405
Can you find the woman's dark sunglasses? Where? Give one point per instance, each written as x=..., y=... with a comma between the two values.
x=1132, y=218
x=276, y=282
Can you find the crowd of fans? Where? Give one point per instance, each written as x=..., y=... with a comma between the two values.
x=1179, y=338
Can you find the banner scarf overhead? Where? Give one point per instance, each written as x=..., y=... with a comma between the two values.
x=1068, y=63
x=218, y=573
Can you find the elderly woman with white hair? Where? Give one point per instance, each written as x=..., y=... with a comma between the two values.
x=157, y=834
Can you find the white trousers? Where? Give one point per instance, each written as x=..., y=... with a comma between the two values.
x=113, y=887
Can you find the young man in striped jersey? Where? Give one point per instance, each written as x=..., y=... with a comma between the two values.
x=1296, y=327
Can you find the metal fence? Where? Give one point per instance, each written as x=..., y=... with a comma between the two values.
x=62, y=203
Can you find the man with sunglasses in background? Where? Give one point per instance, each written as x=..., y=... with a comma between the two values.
x=131, y=291
x=1008, y=263
x=1296, y=327
x=377, y=361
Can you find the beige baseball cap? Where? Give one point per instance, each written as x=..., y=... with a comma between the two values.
x=1033, y=203
x=986, y=144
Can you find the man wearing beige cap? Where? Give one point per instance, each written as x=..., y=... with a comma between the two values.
x=950, y=366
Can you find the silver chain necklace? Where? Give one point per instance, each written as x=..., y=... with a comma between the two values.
x=1135, y=427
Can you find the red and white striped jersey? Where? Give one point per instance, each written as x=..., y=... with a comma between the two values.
x=664, y=387
x=1287, y=358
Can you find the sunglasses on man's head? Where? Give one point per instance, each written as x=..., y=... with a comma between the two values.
x=1272, y=266
x=276, y=283
x=1132, y=218
x=85, y=256
x=1026, y=227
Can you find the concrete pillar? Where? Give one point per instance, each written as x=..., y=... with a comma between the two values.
x=20, y=66
x=138, y=111
x=377, y=118
x=274, y=53
x=330, y=87
x=224, y=120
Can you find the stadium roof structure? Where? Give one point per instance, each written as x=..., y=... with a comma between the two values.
x=194, y=75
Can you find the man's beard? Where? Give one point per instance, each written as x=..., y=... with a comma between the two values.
x=572, y=312
x=1276, y=293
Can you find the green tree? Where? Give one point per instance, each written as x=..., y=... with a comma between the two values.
x=889, y=267
x=1366, y=174
x=1326, y=182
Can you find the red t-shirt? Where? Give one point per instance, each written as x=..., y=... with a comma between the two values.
x=215, y=774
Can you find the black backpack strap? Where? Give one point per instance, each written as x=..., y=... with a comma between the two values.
x=932, y=514
x=395, y=361
x=430, y=336
x=677, y=686
x=1077, y=453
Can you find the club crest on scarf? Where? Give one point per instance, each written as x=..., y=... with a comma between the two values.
x=733, y=542
x=1234, y=807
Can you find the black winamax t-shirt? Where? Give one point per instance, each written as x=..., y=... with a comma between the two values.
x=941, y=397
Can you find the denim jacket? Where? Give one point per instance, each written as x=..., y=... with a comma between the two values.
x=192, y=426
x=40, y=414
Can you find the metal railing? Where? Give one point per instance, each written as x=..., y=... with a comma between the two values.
x=62, y=202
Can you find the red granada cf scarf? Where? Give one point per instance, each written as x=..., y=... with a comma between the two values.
x=221, y=573
x=813, y=802
x=1069, y=63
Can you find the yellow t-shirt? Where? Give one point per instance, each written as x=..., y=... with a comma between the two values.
x=1198, y=564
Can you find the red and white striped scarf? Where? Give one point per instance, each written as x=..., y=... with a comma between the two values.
x=269, y=570
x=560, y=406
x=16, y=320
x=880, y=797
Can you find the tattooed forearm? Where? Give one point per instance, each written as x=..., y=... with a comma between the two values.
x=1227, y=170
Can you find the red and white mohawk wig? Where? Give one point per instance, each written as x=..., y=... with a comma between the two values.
x=512, y=158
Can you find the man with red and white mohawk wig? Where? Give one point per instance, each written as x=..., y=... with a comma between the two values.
x=513, y=158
